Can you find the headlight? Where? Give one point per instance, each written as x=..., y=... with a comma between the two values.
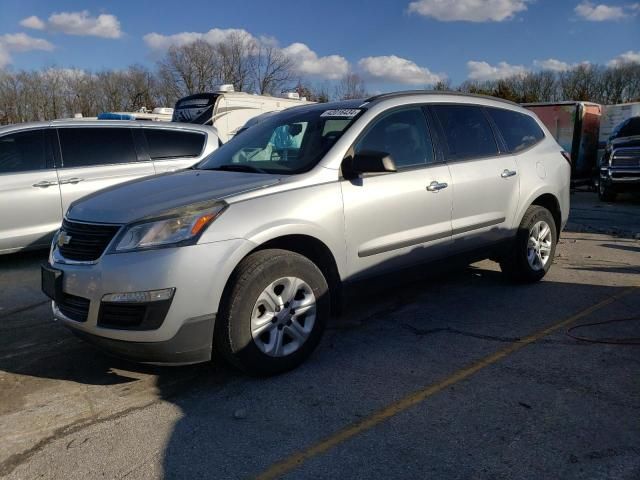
x=175, y=228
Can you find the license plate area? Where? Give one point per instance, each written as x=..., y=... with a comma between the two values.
x=51, y=282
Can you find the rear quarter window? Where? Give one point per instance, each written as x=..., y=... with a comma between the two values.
x=173, y=144
x=518, y=130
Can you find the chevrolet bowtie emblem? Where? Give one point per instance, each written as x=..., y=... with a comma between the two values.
x=63, y=238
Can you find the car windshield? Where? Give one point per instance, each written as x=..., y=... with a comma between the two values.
x=291, y=142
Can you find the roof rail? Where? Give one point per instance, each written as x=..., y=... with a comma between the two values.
x=404, y=93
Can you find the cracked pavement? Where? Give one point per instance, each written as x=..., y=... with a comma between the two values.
x=556, y=408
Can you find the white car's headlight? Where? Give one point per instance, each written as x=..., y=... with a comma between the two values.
x=175, y=228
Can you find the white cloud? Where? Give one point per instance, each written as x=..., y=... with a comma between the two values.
x=157, y=41
x=552, y=64
x=468, y=10
x=627, y=57
x=20, y=42
x=5, y=57
x=557, y=65
x=602, y=12
x=398, y=70
x=307, y=62
x=77, y=23
x=67, y=73
x=483, y=71
x=33, y=22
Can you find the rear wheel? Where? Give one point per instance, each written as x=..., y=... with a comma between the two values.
x=274, y=312
x=531, y=254
x=605, y=193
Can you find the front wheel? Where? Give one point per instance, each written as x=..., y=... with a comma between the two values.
x=274, y=312
x=531, y=254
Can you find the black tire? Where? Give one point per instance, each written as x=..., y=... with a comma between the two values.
x=232, y=336
x=514, y=263
x=605, y=193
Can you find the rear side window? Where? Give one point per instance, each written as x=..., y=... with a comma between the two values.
x=173, y=144
x=403, y=134
x=83, y=147
x=519, y=131
x=22, y=152
x=467, y=132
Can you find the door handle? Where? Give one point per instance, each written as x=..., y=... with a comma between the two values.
x=436, y=186
x=73, y=180
x=45, y=184
x=506, y=173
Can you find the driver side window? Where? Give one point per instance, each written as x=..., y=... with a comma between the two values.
x=403, y=134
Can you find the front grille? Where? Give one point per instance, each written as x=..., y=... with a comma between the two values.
x=75, y=308
x=86, y=242
x=625, y=175
x=626, y=157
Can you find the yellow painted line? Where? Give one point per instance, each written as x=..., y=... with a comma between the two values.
x=292, y=462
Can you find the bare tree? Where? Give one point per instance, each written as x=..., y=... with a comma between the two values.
x=581, y=83
x=234, y=56
x=53, y=92
x=271, y=69
x=318, y=93
x=189, y=69
x=443, y=85
x=351, y=86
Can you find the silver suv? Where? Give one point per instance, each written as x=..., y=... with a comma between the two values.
x=247, y=252
x=44, y=166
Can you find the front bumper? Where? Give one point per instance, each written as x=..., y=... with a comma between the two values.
x=184, y=334
x=620, y=179
x=192, y=344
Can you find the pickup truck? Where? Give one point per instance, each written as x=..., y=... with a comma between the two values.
x=620, y=166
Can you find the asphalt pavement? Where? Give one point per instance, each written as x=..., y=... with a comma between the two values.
x=451, y=375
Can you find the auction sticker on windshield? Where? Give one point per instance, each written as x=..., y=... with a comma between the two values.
x=341, y=112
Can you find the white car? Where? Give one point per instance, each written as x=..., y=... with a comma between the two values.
x=45, y=166
x=247, y=253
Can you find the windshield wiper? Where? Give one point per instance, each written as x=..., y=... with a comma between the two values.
x=237, y=167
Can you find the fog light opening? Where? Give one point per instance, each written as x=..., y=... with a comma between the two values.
x=140, y=297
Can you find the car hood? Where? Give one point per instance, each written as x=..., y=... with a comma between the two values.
x=131, y=201
x=633, y=141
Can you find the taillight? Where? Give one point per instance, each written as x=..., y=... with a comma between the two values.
x=567, y=156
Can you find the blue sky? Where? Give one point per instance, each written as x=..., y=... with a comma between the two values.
x=391, y=43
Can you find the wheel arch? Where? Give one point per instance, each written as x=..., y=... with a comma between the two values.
x=316, y=251
x=310, y=247
x=551, y=203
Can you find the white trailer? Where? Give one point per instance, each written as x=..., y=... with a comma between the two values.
x=228, y=110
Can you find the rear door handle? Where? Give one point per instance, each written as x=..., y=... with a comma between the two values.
x=73, y=180
x=436, y=186
x=44, y=184
x=506, y=173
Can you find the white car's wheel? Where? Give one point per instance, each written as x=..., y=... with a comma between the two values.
x=531, y=253
x=274, y=312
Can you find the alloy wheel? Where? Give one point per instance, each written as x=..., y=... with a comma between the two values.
x=539, y=245
x=283, y=316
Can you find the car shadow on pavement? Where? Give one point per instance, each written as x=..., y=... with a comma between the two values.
x=237, y=431
x=226, y=414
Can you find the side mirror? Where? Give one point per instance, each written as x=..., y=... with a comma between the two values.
x=367, y=161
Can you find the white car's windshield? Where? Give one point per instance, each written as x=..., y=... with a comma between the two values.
x=290, y=142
